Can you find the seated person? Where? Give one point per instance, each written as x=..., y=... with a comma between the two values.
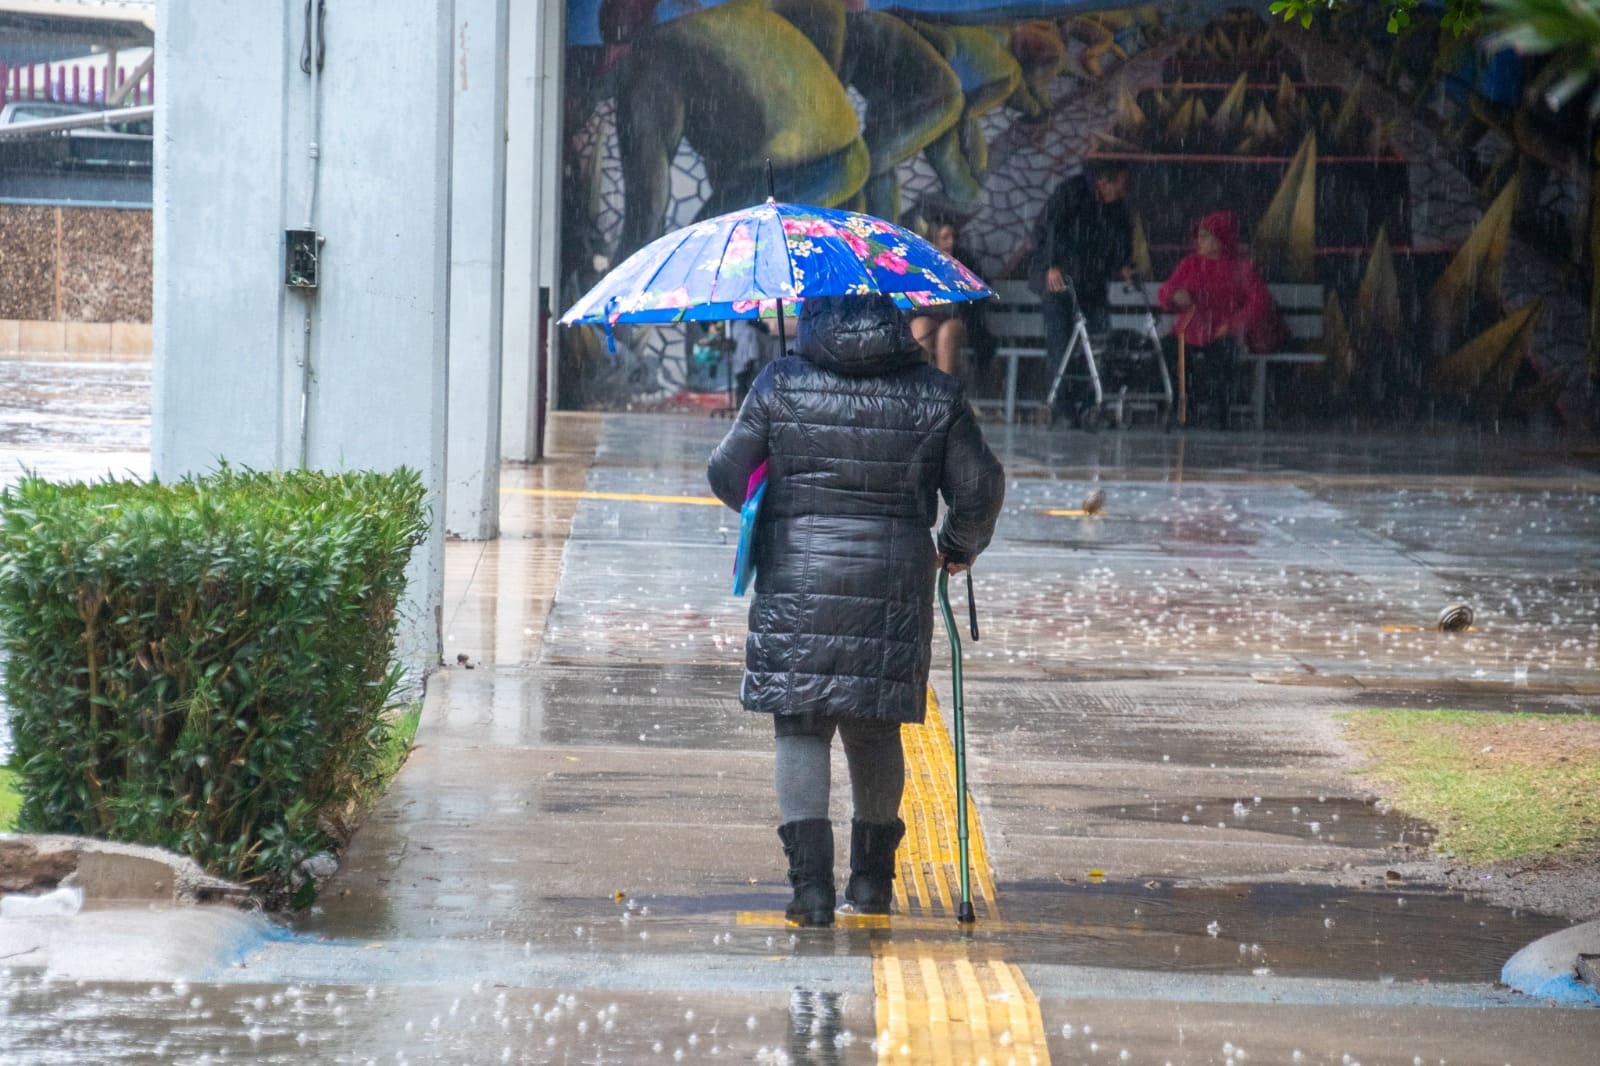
x=1220, y=302
x=945, y=329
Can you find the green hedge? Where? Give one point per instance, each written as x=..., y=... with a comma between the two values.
x=205, y=665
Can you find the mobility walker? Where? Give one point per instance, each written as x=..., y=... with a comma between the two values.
x=1135, y=377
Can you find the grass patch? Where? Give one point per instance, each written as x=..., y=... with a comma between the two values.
x=1497, y=786
x=392, y=752
x=10, y=799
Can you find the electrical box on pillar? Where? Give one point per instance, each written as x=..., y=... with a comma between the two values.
x=301, y=254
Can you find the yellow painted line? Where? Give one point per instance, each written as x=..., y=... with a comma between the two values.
x=1076, y=512
x=937, y=926
x=631, y=497
x=843, y=919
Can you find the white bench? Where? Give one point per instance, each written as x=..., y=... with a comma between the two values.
x=1301, y=306
x=1017, y=324
x=1015, y=320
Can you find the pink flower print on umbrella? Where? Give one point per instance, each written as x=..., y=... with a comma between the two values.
x=733, y=266
x=763, y=308
x=678, y=297
x=890, y=261
x=857, y=245
x=971, y=280
x=739, y=252
x=809, y=227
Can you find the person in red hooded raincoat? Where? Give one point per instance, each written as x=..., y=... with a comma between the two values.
x=1220, y=303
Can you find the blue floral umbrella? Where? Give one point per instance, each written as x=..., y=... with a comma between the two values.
x=761, y=261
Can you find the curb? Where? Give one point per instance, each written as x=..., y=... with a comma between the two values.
x=1547, y=968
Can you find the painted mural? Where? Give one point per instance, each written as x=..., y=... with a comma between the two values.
x=1425, y=185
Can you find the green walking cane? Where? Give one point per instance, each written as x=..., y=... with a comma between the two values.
x=964, y=913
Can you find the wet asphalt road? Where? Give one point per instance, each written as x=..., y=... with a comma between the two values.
x=1144, y=677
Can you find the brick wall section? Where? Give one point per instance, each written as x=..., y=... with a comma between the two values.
x=74, y=264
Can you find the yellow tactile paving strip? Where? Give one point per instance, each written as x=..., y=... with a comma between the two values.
x=937, y=1000
x=929, y=879
x=937, y=1007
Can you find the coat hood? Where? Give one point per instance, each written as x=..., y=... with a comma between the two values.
x=857, y=336
x=1224, y=226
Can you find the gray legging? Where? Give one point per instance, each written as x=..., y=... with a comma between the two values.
x=877, y=765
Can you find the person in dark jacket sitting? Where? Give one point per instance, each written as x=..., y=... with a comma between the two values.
x=861, y=438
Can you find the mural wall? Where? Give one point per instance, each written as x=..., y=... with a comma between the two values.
x=1422, y=182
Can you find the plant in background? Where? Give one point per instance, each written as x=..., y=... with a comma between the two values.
x=204, y=666
x=1459, y=15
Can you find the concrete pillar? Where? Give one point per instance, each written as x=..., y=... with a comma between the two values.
x=230, y=340
x=520, y=330
x=477, y=241
x=533, y=170
x=553, y=151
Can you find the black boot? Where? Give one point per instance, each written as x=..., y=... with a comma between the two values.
x=809, y=846
x=872, y=848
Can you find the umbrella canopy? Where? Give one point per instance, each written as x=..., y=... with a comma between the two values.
x=740, y=265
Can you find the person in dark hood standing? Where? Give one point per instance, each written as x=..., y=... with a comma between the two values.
x=861, y=437
x=1082, y=239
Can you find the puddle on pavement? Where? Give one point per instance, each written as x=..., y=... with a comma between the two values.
x=1405, y=933
x=1347, y=821
x=45, y=1023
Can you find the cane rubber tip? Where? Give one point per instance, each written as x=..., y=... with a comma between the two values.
x=964, y=913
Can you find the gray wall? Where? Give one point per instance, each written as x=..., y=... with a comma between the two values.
x=231, y=173
x=532, y=215
x=477, y=269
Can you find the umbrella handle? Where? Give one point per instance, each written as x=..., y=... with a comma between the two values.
x=964, y=913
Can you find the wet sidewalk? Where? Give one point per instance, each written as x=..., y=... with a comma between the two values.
x=579, y=862
x=1156, y=763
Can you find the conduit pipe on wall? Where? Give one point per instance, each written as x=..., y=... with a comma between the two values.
x=311, y=55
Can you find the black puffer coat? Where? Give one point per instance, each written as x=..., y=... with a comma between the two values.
x=861, y=437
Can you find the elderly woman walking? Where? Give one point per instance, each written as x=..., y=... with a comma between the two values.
x=861, y=437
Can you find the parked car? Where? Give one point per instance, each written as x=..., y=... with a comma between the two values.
x=35, y=110
x=121, y=145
